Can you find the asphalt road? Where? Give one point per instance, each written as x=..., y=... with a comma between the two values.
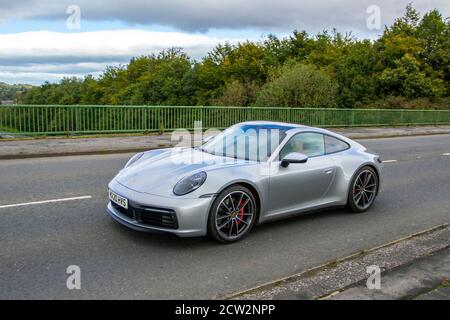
x=38, y=242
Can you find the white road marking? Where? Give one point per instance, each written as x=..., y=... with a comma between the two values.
x=446, y=154
x=389, y=161
x=43, y=202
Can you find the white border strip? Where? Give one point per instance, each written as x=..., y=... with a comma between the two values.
x=43, y=202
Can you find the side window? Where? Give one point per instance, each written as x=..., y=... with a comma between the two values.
x=333, y=145
x=310, y=144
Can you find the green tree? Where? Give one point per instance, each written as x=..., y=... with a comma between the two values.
x=409, y=64
x=300, y=86
x=413, y=56
x=237, y=94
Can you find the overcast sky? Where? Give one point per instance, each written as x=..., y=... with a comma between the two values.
x=37, y=44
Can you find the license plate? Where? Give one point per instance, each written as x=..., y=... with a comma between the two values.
x=121, y=201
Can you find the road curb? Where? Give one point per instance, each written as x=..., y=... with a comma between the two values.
x=330, y=265
x=386, y=273
x=76, y=153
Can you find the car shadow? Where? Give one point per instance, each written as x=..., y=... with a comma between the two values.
x=162, y=239
x=171, y=241
x=298, y=220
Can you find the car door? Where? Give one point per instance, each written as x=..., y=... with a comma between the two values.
x=301, y=185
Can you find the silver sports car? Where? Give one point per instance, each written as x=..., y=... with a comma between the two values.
x=250, y=173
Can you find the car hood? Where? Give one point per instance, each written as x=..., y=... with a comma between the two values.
x=158, y=174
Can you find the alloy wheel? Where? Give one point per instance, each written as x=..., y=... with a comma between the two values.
x=234, y=215
x=364, y=189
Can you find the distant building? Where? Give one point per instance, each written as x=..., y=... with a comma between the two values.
x=7, y=102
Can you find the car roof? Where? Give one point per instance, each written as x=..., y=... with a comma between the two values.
x=273, y=124
x=293, y=128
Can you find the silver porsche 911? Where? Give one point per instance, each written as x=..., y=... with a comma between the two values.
x=251, y=173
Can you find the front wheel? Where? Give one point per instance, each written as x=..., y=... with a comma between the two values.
x=232, y=214
x=363, y=190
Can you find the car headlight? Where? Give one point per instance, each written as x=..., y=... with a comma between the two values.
x=133, y=159
x=189, y=184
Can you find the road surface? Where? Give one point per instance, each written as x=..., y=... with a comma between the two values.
x=39, y=241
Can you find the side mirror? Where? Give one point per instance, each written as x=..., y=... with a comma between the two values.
x=207, y=138
x=293, y=157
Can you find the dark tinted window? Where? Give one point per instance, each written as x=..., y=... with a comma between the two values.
x=333, y=145
x=310, y=144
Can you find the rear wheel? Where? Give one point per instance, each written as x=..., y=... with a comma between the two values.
x=363, y=190
x=232, y=215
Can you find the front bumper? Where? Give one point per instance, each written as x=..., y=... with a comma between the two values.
x=191, y=214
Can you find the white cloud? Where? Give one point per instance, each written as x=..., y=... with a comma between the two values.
x=34, y=77
x=43, y=55
x=202, y=15
x=80, y=68
x=35, y=73
x=104, y=45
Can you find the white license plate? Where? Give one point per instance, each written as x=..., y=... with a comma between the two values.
x=121, y=201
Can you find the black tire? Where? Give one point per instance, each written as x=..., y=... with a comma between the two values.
x=219, y=213
x=368, y=192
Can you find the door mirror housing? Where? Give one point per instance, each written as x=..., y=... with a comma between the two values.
x=293, y=157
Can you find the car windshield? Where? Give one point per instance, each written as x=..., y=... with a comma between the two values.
x=247, y=141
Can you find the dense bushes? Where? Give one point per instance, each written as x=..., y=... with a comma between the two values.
x=299, y=86
x=410, y=61
x=236, y=93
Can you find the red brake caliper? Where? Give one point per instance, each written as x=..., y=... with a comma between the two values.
x=241, y=213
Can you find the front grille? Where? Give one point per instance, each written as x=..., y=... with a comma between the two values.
x=122, y=210
x=166, y=218
x=150, y=216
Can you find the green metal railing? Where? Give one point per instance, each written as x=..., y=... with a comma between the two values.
x=54, y=120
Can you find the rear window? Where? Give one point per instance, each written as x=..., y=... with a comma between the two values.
x=333, y=145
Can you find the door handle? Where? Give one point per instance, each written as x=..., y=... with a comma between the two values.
x=328, y=171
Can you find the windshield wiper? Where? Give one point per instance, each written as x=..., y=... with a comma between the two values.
x=203, y=150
